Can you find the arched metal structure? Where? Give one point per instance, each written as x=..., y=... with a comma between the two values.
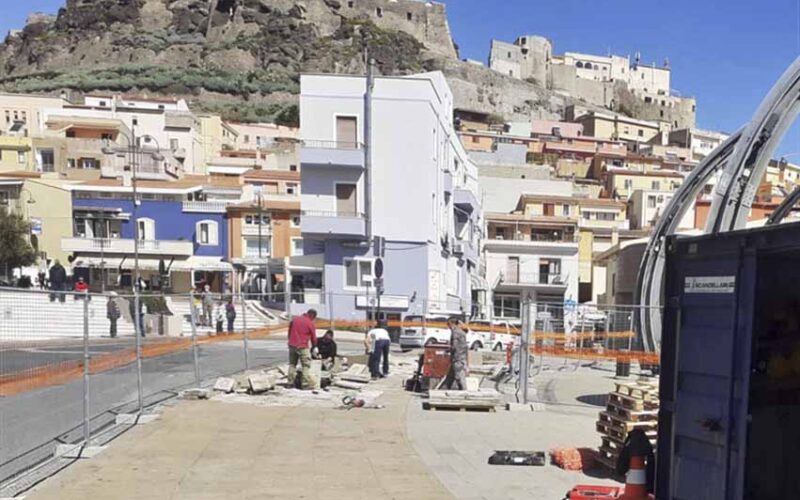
x=742, y=160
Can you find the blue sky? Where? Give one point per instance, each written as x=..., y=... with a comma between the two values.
x=726, y=53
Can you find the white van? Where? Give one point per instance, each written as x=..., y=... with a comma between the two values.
x=501, y=334
x=419, y=331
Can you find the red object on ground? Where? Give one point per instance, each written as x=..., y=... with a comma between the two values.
x=573, y=458
x=587, y=492
x=436, y=362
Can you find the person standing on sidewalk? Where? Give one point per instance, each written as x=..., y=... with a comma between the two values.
x=112, y=313
x=230, y=314
x=58, y=280
x=457, y=376
x=380, y=343
x=208, y=306
x=302, y=331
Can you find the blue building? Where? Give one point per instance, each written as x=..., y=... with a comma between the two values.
x=182, y=228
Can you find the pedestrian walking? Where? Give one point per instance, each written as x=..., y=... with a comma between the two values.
x=42, y=275
x=380, y=342
x=208, y=305
x=457, y=376
x=112, y=313
x=58, y=280
x=302, y=331
x=219, y=316
x=230, y=314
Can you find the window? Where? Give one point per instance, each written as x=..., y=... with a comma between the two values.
x=648, y=99
x=350, y=4
x=293, y=168
x=297, y=246
x=20, y=156
x=103, y=104
x=587, y=215
x=246, y=139
x=346, y=202
x=579, y=64
x=207, y=232
x=253, y=219
x=173, y=144
x=588, y=65
x=89, y=163
x=500, y=233
x=606, y=216
x=255, y=248
x=346, y=132
x=556, y=131
x=506, y=306
x=641, y=133
x=549, y=209
x=357, y=272
x=46, y=160
x=379, y=12
x=291, y=188
x=409, y=16
x=651, y=202
x=628, y=183
x=656, y=185
x=476, y=139
x=509, y=55
x=146, y=229
x=295, y=221
x=70, y=162
x=566, y=211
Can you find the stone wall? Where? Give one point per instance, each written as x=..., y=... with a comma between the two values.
x=425, y=21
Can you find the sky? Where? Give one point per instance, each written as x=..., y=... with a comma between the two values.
x=725, y=53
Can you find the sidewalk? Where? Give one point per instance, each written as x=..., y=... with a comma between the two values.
x=214, y=450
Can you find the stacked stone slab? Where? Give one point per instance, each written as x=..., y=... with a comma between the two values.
x=630, y=406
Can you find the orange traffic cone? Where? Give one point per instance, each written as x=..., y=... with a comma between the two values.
x=636, y=480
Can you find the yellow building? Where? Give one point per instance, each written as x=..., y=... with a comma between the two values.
x=619, y=127
x=215, y=135
x=22, y=114
x=16, y=153
x=45, y=203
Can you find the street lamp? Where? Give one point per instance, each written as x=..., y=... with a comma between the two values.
x=134, y=150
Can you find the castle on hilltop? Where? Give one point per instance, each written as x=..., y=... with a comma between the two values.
x=612, y=81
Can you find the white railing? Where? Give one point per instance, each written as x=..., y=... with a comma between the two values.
x=252, y=230
x=126, y=246
x=205, y=206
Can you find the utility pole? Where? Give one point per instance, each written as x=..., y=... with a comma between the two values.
x=260, y=221
x=368, y=147
x=136, y=299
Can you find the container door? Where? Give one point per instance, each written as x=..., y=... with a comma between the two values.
x=703, y=405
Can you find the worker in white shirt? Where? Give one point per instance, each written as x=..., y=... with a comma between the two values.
x=379, y=342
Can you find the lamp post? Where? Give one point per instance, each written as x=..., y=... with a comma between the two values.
x=134, y=150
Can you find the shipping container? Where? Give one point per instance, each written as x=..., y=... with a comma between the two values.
x=729, y=421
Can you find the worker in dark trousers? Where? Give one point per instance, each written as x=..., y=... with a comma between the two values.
x=457, y=376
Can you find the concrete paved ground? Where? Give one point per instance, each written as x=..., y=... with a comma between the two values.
x=213, y=450
x=456, y=445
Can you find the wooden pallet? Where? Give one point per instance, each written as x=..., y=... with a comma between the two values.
x=631, y=415
x=637, y=390
x=620, y=434
x=631, y=403
x=457, y=406
x=621, y=423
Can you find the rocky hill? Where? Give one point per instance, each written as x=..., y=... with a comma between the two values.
x=242, y=58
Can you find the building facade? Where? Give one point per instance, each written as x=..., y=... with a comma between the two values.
x=414, y=188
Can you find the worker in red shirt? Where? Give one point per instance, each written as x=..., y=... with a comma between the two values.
x=301, y=331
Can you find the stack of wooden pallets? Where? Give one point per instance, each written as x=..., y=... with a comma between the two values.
x=632, y=405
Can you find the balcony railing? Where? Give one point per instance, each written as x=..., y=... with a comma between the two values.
x=333, y=223
x=561, y=238
x=218, y=207
x=126, y=246
x=342, y=145
x=252, y=230
x=535, y=279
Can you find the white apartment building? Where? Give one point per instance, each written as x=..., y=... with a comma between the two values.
x=645, y=207
x=701, y=142
x=169, y=124
x=415, y=186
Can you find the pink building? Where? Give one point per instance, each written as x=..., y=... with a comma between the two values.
x=555, y=128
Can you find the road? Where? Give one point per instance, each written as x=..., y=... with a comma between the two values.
x=31, y=421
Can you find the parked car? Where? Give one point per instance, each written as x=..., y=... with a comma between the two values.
x=502, y=334
x=419, y=331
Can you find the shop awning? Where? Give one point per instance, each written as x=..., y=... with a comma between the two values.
x=194, y=263
x=200, y=263
x=478, y=282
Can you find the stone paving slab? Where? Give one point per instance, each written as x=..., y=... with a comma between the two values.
x=456, y=445
x=212, y=450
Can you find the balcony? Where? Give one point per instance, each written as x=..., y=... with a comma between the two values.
x=333, y=224
x=556, y=244
x=466, y=200
x=252, y=230
x=125, y=246
x=332, y=153
x=604, y=224
x=208, y=207
x=549, y=280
